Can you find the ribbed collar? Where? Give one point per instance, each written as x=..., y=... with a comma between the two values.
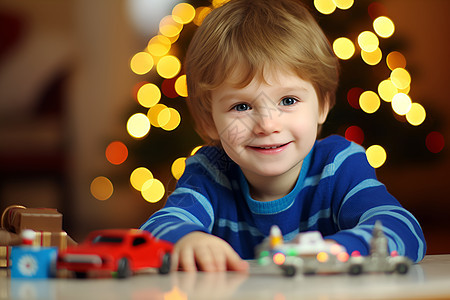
x=278, y=205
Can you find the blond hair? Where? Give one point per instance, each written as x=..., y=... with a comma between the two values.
x=250, y=36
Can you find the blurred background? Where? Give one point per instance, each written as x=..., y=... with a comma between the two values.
x=93, y=120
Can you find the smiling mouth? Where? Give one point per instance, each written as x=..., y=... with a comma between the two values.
x=269, y=147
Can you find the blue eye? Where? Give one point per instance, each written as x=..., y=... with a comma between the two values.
x=241, y=107
x=288, y=101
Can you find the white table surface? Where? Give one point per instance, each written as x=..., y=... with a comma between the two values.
x=428, y=280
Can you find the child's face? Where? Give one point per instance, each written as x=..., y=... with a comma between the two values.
x=267, y=127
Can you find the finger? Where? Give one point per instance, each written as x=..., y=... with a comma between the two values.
x=174, y=260
x=206, y=259
x=235, y=262
x=187, y=260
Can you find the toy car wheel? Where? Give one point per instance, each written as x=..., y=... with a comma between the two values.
x=123, y=268
x=289, y=271
x=355, y=270
x=165, y=264
x=80, y=275
x=401, y=268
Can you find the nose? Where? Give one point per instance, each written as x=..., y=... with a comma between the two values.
x=267, y=122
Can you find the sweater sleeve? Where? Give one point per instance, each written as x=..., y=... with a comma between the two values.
x=187, y=209
x=360, y=200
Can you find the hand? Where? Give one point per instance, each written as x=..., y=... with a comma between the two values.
x=207, y=253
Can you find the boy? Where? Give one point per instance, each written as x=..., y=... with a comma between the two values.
x=261, y=80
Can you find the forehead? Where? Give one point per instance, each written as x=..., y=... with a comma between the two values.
x=282, y=79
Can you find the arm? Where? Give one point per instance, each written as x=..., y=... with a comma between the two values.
x=362, y=200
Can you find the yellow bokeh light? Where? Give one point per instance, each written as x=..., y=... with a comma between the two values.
x=141, y=63
x=101, y=188
x=180, y=86
x=368, y=41
x=217, y=3
x=387, y=90
x=401, y=104
x=139, y=176
x=369, y=102
x=343, y=4
x=178, y=167
x=416, y=114
x=148, y=95
x=169, y=27
x=200, y=14
x=400, y=78
x=325, y=7
x=376, y=155
x=395, y=60
x=153, y=113
x=169, y=119
x=384, y=27
x=322, y=257
x=159, y=45
x=372, y=58
x=168, y=66
x=138, y=125
x=343, y=48
x=183, y=13
x=153, y=190
x=195, y=150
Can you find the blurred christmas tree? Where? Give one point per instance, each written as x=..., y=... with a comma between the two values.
x=374, y=106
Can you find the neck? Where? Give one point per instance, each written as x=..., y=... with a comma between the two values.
x=265, y=188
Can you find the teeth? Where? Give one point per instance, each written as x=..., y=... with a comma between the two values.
x=274, y=147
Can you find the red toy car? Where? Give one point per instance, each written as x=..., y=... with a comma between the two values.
x=121, y=250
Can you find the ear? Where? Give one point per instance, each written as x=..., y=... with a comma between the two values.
x=323, y=112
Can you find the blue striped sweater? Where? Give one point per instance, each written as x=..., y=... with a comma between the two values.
x=337, y=193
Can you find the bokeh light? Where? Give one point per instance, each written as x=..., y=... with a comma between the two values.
x=355, y=134
x=178, y=167
x=217, y=3
x=169, y=27
x=400, y=78
x=325, y=7
x=416, y=114
x=369, y=102
x=168, y=66
x=153, y=114
x=343, y=4
x=384, y=27
x=183, y=13
x=148, y=95
x=401, y=104
x=368, y=41
x=181, y=86
x=353, y=97
x=138, y=125
x=322, y=257
x=168, y=88
x=101, y=188
x=376, y=155
x=153, y=190
x=139, y=176
x=435, y=142
x=387, y=90
x=195, y=150
x=159, y=45
x=395, y=60
x=116, y=152
x=343, y=48
x=372, y=58
x=169, y=119
x=200, y=14
x=279, y=258
x=141, y=63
